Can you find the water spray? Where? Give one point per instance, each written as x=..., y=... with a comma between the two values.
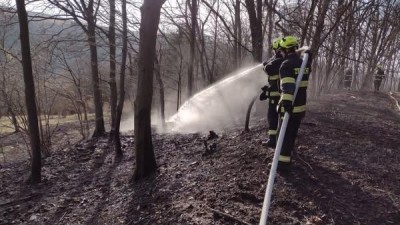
x=220, y=103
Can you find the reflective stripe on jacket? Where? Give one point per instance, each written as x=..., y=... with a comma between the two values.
x=288, y=72
x=272, y=70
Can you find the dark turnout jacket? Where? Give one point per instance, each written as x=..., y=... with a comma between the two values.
x=272, y=69
x=380, y=74
x=288, y=72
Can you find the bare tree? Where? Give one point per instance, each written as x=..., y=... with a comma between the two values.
x=238, y=34
x=87, y=11
x=145, y=159
x=254, y=11
x=117, y=139
x=193, y=13
x=74, y=93
x=29, y=93
x=113, y=83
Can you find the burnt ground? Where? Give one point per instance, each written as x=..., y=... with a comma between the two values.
x=346, y=171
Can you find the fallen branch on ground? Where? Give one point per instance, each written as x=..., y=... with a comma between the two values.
x=228, y=216
x=301, y=159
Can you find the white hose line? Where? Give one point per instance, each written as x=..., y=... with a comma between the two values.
x=272, y=172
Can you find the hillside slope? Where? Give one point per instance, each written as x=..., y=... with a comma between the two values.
x=345, y=172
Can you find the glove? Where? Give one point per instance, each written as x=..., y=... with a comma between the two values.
x=265, y=88
x=287, y=105
x=263, y=96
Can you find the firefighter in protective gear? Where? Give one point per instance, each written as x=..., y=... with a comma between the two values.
x=271, y=67
x=348, y=77
x=379, y=76
x=296, y=107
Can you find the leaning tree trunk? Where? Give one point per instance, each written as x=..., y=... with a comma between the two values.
x=145, y=159
x=29, y=93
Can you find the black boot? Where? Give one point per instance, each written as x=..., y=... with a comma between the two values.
x=271, y=142
x=284, y=167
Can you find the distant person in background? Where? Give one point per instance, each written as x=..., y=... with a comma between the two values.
x=271, y=67
x=348, y=77
x=295, y=106
x=379, y=76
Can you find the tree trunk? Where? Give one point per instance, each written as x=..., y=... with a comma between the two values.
x=157, y=71
x=98, y=103
x=308, y=22
x=179, y=92
x=29, y=93
x=237, y=31
x=145, y=159
x=192, y=47
x=255, y=19
x=211, y=73
x=316, y=39
x=117, y=139
x=270, y=29
x=113, y=83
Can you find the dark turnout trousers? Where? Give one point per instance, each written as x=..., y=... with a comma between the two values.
x=377, y=84
x=379, y=76
x=272, y=69
x=347, y=81
x=273, y=118
x=290, y=138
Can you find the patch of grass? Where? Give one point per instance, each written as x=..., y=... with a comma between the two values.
x=5, y=125
x=54, y=119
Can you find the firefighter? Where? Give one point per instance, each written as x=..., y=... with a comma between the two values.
x=296, y=108
x=348, y=77
x=271, y=68
x=379, y=76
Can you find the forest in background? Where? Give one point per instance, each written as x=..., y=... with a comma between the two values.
x=77, y=48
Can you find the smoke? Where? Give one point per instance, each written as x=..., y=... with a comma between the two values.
x=127, y=124
x=128, y=121
x=221, y=105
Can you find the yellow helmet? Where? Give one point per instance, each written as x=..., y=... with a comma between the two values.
x=275, y=43
x=289, y=42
